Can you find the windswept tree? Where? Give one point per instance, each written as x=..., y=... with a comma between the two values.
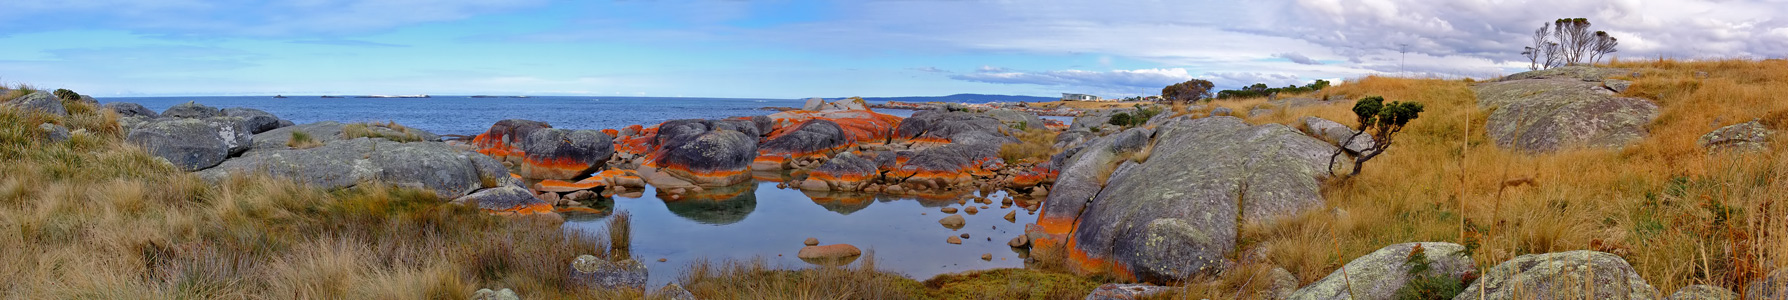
x=1567, y=42
x=1189, y=91
x=1381, y=121
x=1603, y=45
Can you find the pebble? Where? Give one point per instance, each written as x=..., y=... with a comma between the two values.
x=954, y=240
x=987, y=256
x=812, y=242
x=971, y=210
x=663, y=260
x=1012, y=216
x=949, y=210
x=965, y=235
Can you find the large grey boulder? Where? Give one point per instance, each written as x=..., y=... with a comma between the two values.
x=564, y=154
x=1704, y=292
x=446, y=170
x=40, y=101
x=1580, y=274
x=1336, y=134
x=707, y=153
x=816, y=136
x=192, y=110
x=192, y=144
x=255, y=120
x=1380, y=274
x=53, y=133
x=1016, y=119
x=1176, y=214
x=1578, y=73
x=127, y=109
x=326, y=132
x=1775, y=286
x=1549, y=114
x=1747, y=136
x=502, y=198
x=814, y=104
x=1082, y=173
x=596, y=273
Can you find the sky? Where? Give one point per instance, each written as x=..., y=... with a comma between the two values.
x=798, y=49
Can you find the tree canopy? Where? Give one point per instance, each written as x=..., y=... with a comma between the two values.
x=1189, y=91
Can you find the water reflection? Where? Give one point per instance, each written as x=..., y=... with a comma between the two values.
x=715, y=206
x=761, y=221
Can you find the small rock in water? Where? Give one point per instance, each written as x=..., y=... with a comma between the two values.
x=971, y=210
x=549, y=197
x=954, y=240
x=812, y=242
x=1019, y=242
x=986, y=256
x=1012, y=216
x=949, y=210
x=952, y=221
x=663, y=260
x=965, y=235
x=1006, y=201
x=961, y=201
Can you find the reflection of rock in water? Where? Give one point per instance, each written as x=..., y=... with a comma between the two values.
x=603, y=207
x=939, y=198
x=843, y=203
x=717, y=206
x=770, y=176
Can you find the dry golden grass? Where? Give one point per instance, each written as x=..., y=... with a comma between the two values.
x=360, y=130
x=1086, y=105
x=1659, y=203
x=1035, y=146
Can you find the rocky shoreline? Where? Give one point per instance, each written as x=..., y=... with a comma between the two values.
x=1113, y=200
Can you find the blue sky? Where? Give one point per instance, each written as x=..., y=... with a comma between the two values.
x=794, y=49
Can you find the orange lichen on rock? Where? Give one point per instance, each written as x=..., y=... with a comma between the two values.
x=1035, y=176
x=858, y=125
x=553, y=167
x=768, y=162
x=640, y=142
x=560, y=186
x=581, y=210
x=526, y=209
x=611, y=132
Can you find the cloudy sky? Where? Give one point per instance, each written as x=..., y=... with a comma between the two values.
x=792, y=49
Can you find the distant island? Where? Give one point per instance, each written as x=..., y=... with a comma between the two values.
x=960, y=98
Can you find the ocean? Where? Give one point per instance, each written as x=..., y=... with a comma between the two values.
x=464, y=115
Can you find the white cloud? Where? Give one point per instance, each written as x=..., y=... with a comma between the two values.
x=1120, y=82
x=1297, y=58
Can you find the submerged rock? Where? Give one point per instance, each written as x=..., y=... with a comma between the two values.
x=1581, y=274
x=952, y=222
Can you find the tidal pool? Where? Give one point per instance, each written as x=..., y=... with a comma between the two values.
x=762, y=221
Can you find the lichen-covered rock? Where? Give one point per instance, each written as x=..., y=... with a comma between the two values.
x=814, y=104
x=1578, y=73
x=1617, y=85
x=1380, y=274
x=1016, y=119
x=1704, y=292
x=672, y=291
x=1550, y=114
x=192, y=144
x=40, y=101
x=53, y=133
x=705, y=153
x=192, y=110
x=1176, y=214
x=503, y=140
x=1082, y=176
x=324, y=132
x=596, y=273
x=553, y=153
x=1335, y=134
x=502, y=294
x=255, y=120
x=1581, y=274
x=813, y=137
x=1116, y=291
x=435, y=166
x=506, y=200
x=127, y=109
x=1775, y=286
x=845, y=172
x=1747, y=136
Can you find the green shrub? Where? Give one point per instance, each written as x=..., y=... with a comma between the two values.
x=1120, y=119
x=302, y=140
x=66, y=94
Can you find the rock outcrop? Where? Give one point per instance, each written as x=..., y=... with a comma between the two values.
x=1581, y=274
x=815, y=137
x=1747, y=136
x=330, y=131
x=127, y=109
x=1176, y=214
x=553, y=153
x=192, y=144
x=40, y=101
x=254, y=120
x=1775, y=286
x=192, y=110
x=1380, y=274
x=53, y=133
x=1550, y=110
x=596, y=273
x=1336, y=134
x=1083, y=173
x=505, y=200
x=702, y=153
x=449, y=172
x=503, y=140
x=844, y=172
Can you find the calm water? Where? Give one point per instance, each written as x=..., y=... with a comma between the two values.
x=761, y=222
x=468, y=116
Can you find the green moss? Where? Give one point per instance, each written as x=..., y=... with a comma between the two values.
x=1010, y=284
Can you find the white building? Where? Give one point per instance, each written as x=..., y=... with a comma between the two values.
x=1079, y=97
